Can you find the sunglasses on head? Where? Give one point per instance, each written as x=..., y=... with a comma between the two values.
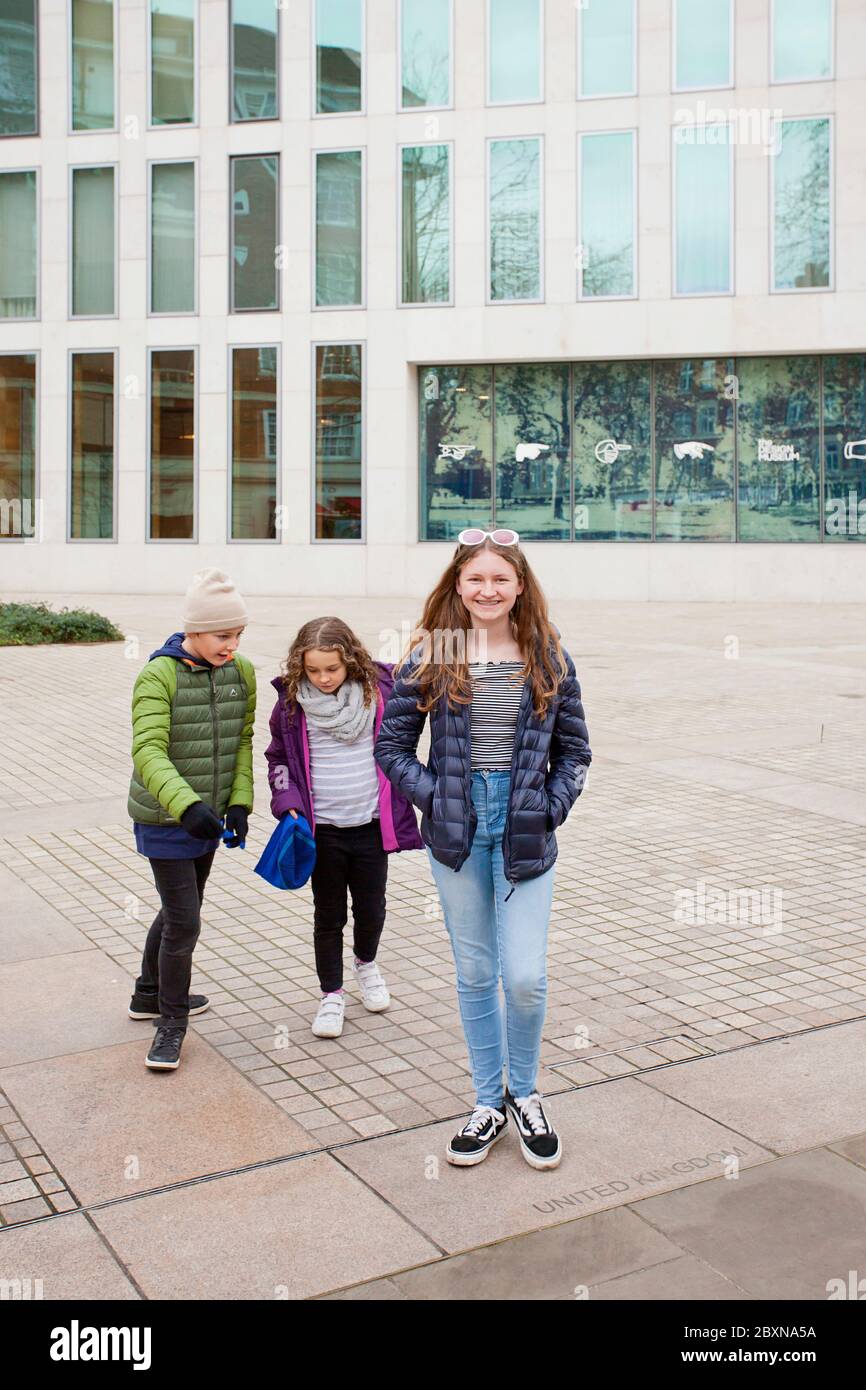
x=474, y=536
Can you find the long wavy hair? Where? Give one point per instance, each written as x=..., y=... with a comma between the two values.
x=328, y=635
x=443, y=669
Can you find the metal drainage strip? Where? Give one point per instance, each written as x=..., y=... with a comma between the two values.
x=694, y=1049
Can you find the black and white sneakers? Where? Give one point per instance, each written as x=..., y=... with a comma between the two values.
x=142, y=1006
x=539, y=1141
x=471, y=1143
x=164, y=1054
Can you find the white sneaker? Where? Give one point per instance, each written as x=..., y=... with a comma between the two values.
x=374, y=991
x=328, y=1022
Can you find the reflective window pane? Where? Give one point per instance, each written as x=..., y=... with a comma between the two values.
x=456, y=450
x=703, y=180
x=255, y=89
x=607, y=48
x=172, y=445
x=845, y=447
x=515, y=219
x=172, y=233
x=802, y=39
x=612, y=451
x=694, y=439
x=425, y=52
x=339, y=230
x=339, y=54
x=514, y=63
x=18, y=68
x=703, y=43
x=426, y=224
x=93, y=239
x=172, y=71
x=255, y=232
x=18, y=507
x=18, y=269
x=801, y=205
x=339, y=442
x=777, y=446
x=532, y=440
x=606, y=260
x=92, y=64
x=254, y=444
x=91, y=480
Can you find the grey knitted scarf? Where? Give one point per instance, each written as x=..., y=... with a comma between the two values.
x=343, y=714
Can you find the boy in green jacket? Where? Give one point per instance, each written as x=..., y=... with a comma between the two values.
x=193, y=709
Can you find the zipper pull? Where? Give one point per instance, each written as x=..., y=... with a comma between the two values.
x=513, y=886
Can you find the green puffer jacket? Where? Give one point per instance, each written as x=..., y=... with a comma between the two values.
x=192, y=738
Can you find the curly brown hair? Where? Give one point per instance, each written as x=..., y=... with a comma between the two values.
x=328, y=635
x=445, y=612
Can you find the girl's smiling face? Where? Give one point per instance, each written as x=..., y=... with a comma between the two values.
x=325, y=670
x=488, y=585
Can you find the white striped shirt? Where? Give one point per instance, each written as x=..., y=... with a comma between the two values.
x=345, y=784
x=495, y=704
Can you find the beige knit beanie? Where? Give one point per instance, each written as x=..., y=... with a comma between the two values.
x=213, y=604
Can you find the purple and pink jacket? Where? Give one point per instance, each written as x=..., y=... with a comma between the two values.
x=288, y=755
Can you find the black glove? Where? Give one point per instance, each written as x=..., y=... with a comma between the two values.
x=201, y=820
x=237, y=821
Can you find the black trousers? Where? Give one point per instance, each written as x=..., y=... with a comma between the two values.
x=166, y=966
x=349, y=858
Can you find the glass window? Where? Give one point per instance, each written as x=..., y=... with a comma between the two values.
x=19, y=53
x=425, y=52
x=612, y=451
x=845, y=447
x=172, y=445
x=91, y=491
x=339, y=442
x=92, y=64
x=18, y=241
x=777, y=448
x=93, y=242
x=426, y=224
x=801, y=205
x=255, y=232
x=339, y=227
x=703, y=188
x=515, y=219
x=532, y=443
x=172, y=238
x=694, y=440
x=339, y=55
x=607, y=48
x=606, y=255
x=172, y=62
x=456, y=450
x=802, y=40
x=18, y=503
x=255, y=52
x=254, y=444
x=514, y=64
x=703, y=44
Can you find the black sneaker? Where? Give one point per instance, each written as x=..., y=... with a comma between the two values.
x=164, y=1055
x=481, y=1131
x=142, y=1006
x=538, y=1139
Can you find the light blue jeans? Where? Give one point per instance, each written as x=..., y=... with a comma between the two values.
x=491, y=939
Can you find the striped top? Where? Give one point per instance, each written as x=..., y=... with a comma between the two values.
x=345, y=784
x=495, y=703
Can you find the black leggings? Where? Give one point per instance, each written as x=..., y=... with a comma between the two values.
x=348, y=857
x=166, y=965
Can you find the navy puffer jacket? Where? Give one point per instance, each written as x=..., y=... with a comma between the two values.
x=548, y=769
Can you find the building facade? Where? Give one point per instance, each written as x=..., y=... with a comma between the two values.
x=303, y=288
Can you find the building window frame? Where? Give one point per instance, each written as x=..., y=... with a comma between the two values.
x=148, y=471
x=196, y=51
x=36, y=354
x=732, y=222
x=423, y=110
x=830, y=287
x=635, y=58
x=37, y=130
x=253, y=120
x=70, y=355
x=633, y=131
x=314, y=347
x=774, y=81
x=173, y=313
x=425, y=303
x=73, y=168
x=732, y=58
x=314, y=83
x=489, y=302
x=341, y=308
x=36, y=171
x=278, y=278
x=231, y=349
x=95, y=130
x=488, y=63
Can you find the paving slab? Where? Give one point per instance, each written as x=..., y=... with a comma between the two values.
x=31, y=926
x=64, y=1258
x=113, y=1128
x=789, y=1094
x=71, y=1003
x=285, y=1232
x=618, y=1143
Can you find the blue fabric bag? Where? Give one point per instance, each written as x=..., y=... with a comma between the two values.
x=289, y=857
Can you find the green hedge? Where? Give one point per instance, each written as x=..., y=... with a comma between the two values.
x=26, y=624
